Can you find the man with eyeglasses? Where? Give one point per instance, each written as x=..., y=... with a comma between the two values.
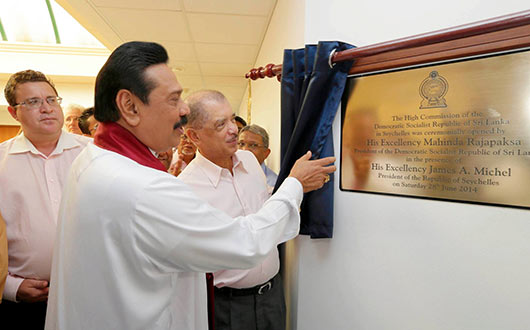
x=255, y=139
x=33, y=168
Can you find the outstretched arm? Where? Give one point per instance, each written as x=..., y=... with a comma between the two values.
x=312, y=174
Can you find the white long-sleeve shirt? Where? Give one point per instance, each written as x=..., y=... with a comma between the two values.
x=242, y=193
x=133, y=243
x=31, y=185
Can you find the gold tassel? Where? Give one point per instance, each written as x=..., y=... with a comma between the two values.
x=249, y=102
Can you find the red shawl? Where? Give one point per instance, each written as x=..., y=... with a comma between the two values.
x=114, y=137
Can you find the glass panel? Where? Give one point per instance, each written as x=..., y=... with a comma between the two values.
x=29, y=21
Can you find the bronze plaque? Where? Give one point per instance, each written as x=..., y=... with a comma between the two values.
x=457, y=131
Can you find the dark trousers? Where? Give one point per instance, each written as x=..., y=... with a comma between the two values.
x=253, y=311
x=27, y=316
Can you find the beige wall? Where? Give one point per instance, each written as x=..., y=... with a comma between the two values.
x=72, y=70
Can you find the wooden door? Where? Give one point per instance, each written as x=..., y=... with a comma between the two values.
x=8, y=131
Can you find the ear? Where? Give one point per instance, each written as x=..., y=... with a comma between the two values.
x=13, y=112
x=126, y=105
x=193, y=135
x=267, y=153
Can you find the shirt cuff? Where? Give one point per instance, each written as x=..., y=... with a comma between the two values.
x=11, y=288
x=294, y=188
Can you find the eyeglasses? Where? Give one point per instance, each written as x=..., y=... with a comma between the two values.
x=250, y=145
x=36, y=102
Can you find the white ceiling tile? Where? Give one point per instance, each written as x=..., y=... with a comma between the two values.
x=225, y=69
x=242, y=7
x=211, y=43
x=240, y=82
x=178, y=51
x=223, y=53
x=184, y=68
x=229, y=29
x=139, y=4
x=190, y=81
x=134, y=24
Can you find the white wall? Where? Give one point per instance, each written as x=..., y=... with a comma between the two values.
x=286, y=30
x=367, y=22
x=404, y=263
x=396, y=262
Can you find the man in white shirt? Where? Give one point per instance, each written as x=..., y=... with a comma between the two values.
x=133, y=241
x=33, y=169
x=233, y=181
x=255, y=139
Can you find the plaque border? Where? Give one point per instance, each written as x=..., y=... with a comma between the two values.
x=344, y=102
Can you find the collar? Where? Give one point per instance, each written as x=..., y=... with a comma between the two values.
x=22, y=144
x=153, y=152
x=116, y=138
x=264, y=167
x=213, y=171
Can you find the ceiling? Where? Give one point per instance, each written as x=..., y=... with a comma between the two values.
x=211, y=43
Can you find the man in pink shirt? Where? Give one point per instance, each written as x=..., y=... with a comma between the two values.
x=33, y=168
x=233, y=181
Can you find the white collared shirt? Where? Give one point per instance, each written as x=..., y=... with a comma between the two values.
x=240, y=194
x=31, y=186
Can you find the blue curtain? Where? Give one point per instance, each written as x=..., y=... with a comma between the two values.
x=310, y=96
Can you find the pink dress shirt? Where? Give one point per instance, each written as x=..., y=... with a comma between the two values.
x=241, y=194
x=30, y=193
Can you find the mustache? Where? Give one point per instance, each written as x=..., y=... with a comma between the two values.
x=183, y=121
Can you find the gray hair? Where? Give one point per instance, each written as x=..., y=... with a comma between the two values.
x=197, y=101
x=73, y=106
x=259, y=131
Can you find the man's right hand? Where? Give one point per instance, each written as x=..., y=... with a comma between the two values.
x=312, y=174
x=32, y=291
